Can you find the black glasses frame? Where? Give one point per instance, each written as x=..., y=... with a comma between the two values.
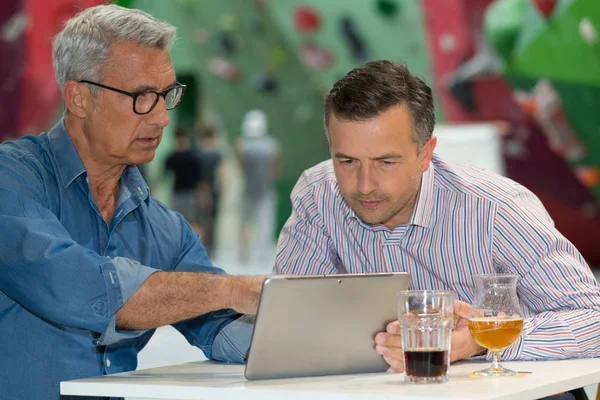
x=135, y=95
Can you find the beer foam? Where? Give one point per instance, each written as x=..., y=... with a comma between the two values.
x=514, y=317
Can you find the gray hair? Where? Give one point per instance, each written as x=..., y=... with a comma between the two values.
x=82, y=47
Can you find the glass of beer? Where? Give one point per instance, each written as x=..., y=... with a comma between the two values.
x=495, y=321
x=426, y=321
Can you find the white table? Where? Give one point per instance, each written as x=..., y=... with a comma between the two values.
x=209, y=380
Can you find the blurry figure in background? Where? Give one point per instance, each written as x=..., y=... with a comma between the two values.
x=186, y=166
x=211, y=161
x=259, y=157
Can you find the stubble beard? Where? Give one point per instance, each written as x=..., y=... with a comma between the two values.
x=388, y=209
x=379, y=215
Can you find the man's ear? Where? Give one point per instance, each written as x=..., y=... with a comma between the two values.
x=427, y=153
x=76, y=97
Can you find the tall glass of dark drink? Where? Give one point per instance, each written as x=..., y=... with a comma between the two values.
x=426, y=321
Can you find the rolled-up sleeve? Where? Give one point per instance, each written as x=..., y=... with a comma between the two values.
x=233, y=342
x=52, y=276
x=122, y=277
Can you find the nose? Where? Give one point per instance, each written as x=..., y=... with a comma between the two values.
x=365, y=178
x=159, y=116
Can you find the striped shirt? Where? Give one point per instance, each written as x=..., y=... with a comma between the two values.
x=466, y=221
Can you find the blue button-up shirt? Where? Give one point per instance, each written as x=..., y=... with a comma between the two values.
x=64, y=272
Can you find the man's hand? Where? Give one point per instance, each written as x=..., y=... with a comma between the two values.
x=463, y=344
x=245, y=293
x=389, y=343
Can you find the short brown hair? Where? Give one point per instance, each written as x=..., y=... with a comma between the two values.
x=373, y=88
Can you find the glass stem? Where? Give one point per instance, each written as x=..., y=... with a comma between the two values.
x=496, y=359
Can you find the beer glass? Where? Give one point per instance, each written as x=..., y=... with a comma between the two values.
x=426, y=321
x=495, y=321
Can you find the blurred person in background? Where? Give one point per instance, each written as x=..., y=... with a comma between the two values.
x=258, y=153
x=91, y=264
x=185, y=164
x=212, y=178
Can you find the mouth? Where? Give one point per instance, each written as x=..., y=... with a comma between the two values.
x=370, y=203
x=149, y=141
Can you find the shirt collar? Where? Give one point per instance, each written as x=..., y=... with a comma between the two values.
x=133, y=179
x=69, y=164
x=423, y=212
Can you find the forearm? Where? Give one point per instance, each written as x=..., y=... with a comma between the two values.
x=558, y=335
x=169, y=297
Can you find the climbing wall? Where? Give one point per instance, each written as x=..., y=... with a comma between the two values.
x=11, y=54
x=355, y=32
x=28, y=27
x=552, y=58
x=484, y=55
x=467, y=86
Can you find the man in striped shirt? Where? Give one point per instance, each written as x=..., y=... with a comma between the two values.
x=385, y=202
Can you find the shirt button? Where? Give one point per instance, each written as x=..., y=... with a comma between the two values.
x=108, y=362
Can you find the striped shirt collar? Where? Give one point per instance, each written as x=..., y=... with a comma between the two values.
x=423, y=212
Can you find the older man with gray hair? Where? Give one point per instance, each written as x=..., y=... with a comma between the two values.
x=91, y=264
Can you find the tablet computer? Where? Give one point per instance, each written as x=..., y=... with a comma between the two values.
x=322, y=325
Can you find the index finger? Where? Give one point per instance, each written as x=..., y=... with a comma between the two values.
x=393, y=327
x=462, y=309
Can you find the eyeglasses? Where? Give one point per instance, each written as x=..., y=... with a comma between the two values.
x=144, y=102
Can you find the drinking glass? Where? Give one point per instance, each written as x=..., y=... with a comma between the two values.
x=426, y=321
x=495, y=321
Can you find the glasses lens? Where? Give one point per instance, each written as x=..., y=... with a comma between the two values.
x=145, y=102
x=173, y=97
